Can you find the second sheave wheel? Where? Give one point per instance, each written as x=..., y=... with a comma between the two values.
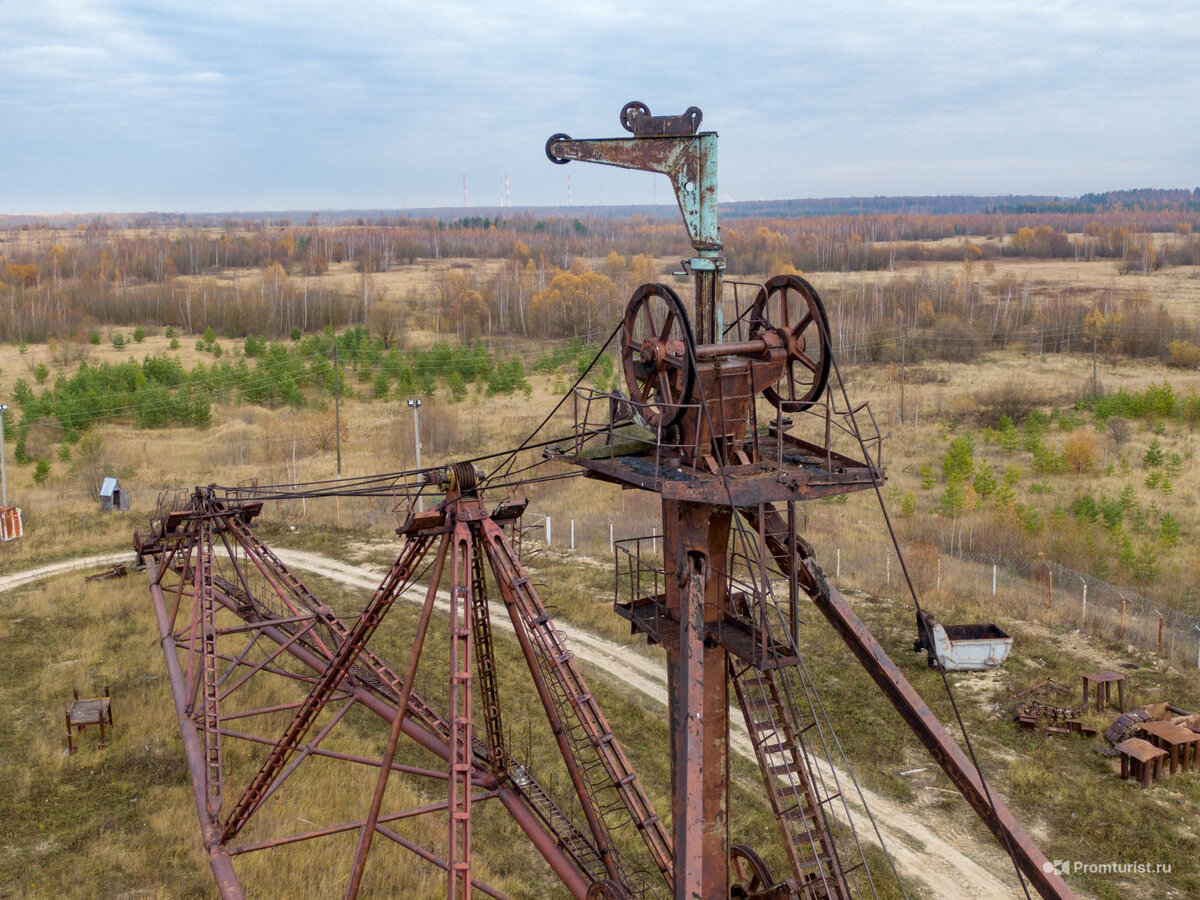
x=790, y=306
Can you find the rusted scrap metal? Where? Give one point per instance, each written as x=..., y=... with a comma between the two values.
x=1035, y=705
x=961, y=648
x=1183, y=744
x=11, y=524
x=1103, y=682
x=1141, y=760
x=117, y=571
x=1127, y=725
x=1047, y=687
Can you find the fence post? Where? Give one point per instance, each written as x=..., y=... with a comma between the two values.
x=1050, y=594
x=547, y=531
x=888, y=566
x=572, y=533
x=653, y=540
x=1197, y=627
x=1083, y=611
x=1160, y=618
x=1122, y=619
x=939, y=575
x=838, y=570
x=610, y=537
x=993, y=579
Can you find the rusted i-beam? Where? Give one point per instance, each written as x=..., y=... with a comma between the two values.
x=929, y=730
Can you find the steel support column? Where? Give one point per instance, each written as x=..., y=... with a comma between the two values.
x=696, y=541
x=193, y=748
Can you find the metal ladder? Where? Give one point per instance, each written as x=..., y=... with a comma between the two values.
x=210, y=708
x=462, y=761
x=597, y=750
x=778, y=742
x=564, y=828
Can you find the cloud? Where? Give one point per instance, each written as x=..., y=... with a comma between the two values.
x=373, y=103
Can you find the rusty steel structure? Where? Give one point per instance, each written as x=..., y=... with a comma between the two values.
x=730, y=418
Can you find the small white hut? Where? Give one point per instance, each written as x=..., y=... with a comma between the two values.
x=113, y=497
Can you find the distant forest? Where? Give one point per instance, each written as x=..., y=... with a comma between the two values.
x=569, y=276
x=1140, y=199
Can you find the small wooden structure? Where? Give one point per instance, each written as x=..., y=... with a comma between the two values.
x=1182, y=744
x=11, y=526
x=85, y=712
x=1104, y=681
x=113, y=497
x=1141, y=759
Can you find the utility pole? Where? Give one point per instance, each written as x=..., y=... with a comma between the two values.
x=415, y=404
x=337, y=409
x=3, y=476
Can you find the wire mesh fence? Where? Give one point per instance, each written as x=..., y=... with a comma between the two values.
x=1037, y=590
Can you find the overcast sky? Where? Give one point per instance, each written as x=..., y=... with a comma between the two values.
x=261, y=105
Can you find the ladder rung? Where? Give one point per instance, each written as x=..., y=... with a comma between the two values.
x=786, y=768
x=811, y=863
x=760, y=702
x=775, y=747
x=798, y=812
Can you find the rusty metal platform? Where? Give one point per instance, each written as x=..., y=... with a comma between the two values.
x=802, y=471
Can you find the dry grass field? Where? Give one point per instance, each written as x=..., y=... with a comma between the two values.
x=119, y=822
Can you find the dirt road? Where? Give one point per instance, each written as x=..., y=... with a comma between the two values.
x=946, y=864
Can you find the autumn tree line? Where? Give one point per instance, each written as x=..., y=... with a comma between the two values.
x=565, y=277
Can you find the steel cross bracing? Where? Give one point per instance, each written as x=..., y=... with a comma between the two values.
x=239, y=590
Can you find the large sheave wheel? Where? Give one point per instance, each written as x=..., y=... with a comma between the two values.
x=748, y=874
x=658, y=355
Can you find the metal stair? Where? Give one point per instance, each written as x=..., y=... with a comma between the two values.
x=613, y=787
x=778, y=742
